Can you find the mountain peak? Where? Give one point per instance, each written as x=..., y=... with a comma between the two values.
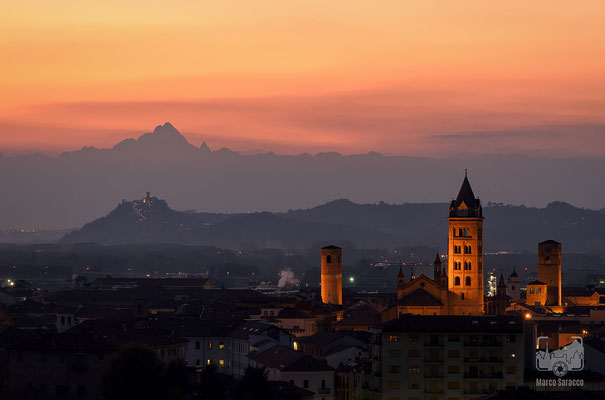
x=167, y=128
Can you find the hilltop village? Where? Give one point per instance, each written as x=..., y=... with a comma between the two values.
x=433, y=337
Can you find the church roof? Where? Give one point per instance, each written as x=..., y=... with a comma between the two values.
x=400, y=274
x=514, y=274
x=550, y=241
x=466, y=204
x=419, y=298
x=331, y=247
x=536, y=282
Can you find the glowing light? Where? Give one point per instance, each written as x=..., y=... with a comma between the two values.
x=351, y=279
x=527, y=316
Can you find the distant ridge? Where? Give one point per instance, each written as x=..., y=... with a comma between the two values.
x=507, y=228
x=42, y=192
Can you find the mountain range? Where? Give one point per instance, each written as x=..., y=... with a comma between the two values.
x=507, y=228
x=66, y=191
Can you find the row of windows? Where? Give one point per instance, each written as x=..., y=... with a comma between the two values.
x=221, y=363
x=63, y=390
x=536, y=291
x=198, y=345
x=467, y=281
x=463, y=232
x=451, y=338
x=451, y=369
x=467, y=249
x=458, y=265
x=77, y=358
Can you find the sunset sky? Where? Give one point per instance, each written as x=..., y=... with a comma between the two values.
x=399, y=77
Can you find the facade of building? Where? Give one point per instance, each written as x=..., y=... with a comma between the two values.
x=451, y=357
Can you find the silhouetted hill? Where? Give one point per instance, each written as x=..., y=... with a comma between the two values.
x=507, y=228
x=43, y=192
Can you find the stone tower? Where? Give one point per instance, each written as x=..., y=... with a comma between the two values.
x=465, y=250
x=549, y=270
x=331, y=275
x=513, y=289
x=400, y=284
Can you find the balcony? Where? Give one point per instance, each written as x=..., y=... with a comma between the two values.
x=485, y=360
x=483, y=375
x=483, y=343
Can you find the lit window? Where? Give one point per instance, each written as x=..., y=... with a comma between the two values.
x=221, y=363
x=393, y=338
x=208, y=362
x=221, y=346
x=295, y=346
x=210, y=345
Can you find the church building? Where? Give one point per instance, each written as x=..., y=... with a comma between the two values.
x=456, y=289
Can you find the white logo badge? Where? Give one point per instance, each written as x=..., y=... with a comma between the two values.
x=569, y=358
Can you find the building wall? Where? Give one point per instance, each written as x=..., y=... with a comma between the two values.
x=536, y=294
x=57, y=373
x=319, y=382
x=465, y=261
x=442, y=365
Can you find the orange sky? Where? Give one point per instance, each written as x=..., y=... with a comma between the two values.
x=399, y=77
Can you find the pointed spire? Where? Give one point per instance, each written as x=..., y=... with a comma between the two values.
x=412, y=277
x=514, y=274
x=501, y=283
x=437, y=268
x=437, y=260
x=465, y=204
x=400, y=275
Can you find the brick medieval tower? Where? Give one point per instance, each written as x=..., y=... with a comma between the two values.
x=465, y=251
x=331, y=275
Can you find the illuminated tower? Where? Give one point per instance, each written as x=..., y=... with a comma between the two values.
x=465, y=249
x=549, y=270
x=331, y=275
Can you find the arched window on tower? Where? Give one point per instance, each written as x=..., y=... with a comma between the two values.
x=460, y=232
x=531, y=290
x=539, y=290
x=468, y=281
x=329, y=259
x=465, y=232
x=457, y=281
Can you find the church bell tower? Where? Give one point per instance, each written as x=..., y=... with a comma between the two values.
x=465, y=251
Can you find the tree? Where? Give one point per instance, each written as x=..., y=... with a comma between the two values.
x=255, y=385
x=212, y=385
x=176, y=383
x=134, y=373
